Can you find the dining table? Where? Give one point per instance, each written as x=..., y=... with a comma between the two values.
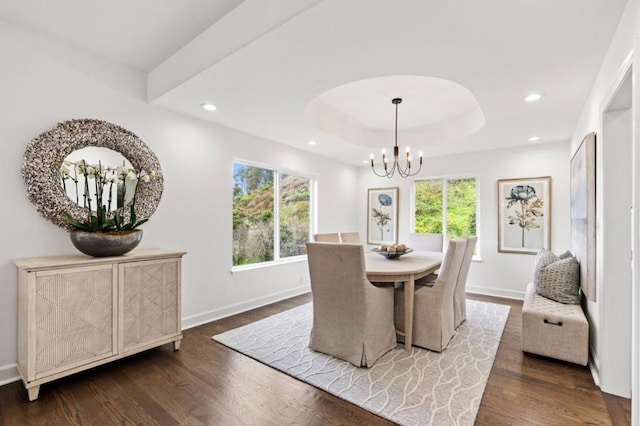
x=407, y=269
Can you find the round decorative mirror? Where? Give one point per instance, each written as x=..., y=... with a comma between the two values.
x=46, y=155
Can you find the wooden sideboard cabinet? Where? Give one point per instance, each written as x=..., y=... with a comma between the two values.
x=76, y=312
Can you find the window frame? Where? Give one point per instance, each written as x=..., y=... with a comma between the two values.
x=277, y=260
x=445, y=179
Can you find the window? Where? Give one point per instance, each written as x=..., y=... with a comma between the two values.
x=445, y=206
x=263, y=198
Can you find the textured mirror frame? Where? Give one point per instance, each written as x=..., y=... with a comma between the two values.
x=46, y=152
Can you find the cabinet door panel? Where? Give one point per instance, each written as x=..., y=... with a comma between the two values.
x=74, y=320
x=150, y=301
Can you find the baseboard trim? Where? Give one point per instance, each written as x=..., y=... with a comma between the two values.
x=9, y=374
x=497, y=292
x=227, y=311
x=594, y=366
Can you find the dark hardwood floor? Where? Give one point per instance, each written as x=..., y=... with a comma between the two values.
x=206, y=383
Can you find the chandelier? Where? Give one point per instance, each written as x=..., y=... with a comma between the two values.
x=390, y=171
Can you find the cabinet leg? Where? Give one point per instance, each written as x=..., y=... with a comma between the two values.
x=176, y=345
x=33, y=393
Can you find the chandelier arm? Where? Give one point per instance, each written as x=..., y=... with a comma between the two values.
x=385, y=173
x=408, y=173
x=381, y=174
x=404, y=171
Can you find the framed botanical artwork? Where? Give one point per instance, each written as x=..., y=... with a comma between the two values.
x=583, y=213
x=524, y=220
x=382, y=215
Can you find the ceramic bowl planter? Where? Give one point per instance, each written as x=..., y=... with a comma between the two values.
x=99, y=244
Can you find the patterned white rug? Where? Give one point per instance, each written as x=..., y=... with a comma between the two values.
x=416, y=387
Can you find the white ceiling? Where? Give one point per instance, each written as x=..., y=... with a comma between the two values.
x=263, y=62
x=436, y=111
x=138, y=33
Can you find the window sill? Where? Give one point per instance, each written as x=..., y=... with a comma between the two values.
x=270, y=264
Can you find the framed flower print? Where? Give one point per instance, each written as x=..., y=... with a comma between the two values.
x=382, y=215
x=524, y=219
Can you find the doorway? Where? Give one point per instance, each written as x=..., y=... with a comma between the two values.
x=615, y=236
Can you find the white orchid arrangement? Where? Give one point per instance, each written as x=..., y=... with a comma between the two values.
x=95, y=179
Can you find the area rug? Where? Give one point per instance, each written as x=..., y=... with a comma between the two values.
x=408, y=387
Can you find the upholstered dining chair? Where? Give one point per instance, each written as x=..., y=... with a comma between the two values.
x=332, y=237
x=459, y=294
x=433, y=319
x=350, y=237
x=352, y=319
x=425, y=242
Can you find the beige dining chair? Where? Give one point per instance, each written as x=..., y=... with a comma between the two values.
x=433, y=319
x=350, y=237
x=459, y=294
x=352, y=319
x=332, y=237
x=425, y=242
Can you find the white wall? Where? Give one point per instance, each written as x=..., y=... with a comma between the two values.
x=43, y=82
x=499, y=274
x=611, y=73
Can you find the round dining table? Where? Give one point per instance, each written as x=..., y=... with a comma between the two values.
x=406, y=269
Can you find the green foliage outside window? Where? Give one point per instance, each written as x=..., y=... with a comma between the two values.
x=428, y=205
x=458, y=208
x=254, y=215
x=294, y=215
x=253, y=198
x=461, y=208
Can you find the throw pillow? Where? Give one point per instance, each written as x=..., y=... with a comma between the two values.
x=545, y=258
x=557, y=277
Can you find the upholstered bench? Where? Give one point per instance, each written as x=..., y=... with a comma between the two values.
x=554, y=329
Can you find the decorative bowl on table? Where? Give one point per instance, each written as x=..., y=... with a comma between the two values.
x=392, y=252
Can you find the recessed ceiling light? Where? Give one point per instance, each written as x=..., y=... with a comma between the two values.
x=534, y=138
x=312, y=143
x=207, y=106
x=533, y=97
x=365, y=161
